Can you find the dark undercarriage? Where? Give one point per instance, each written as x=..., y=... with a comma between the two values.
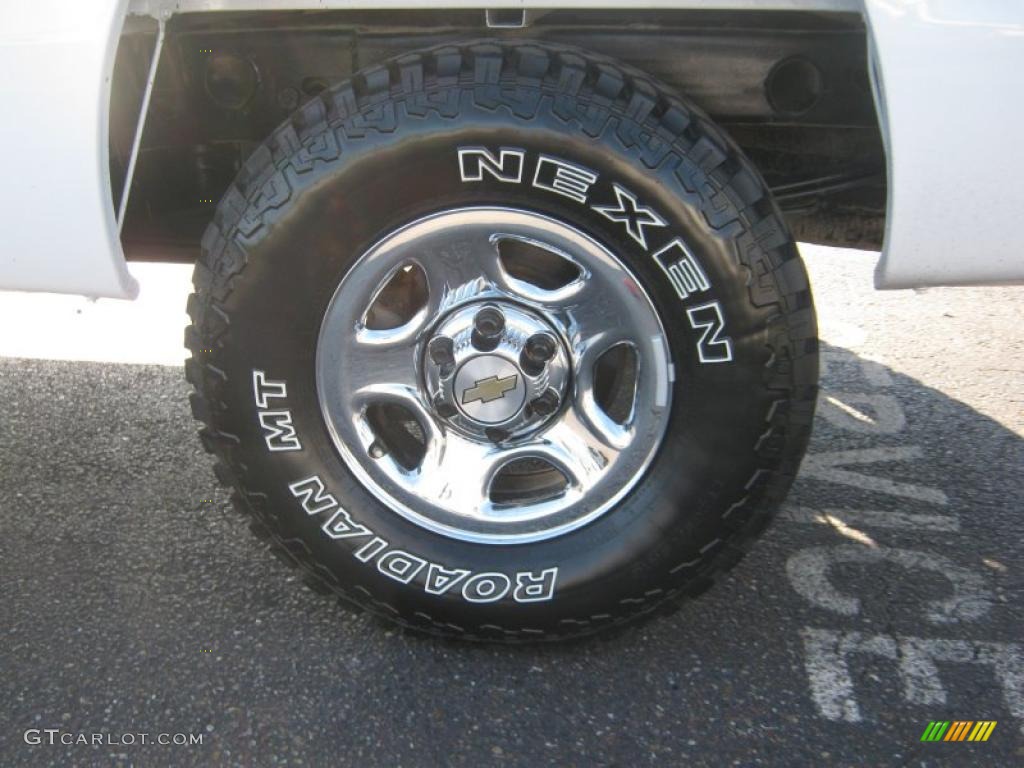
x=791, y=88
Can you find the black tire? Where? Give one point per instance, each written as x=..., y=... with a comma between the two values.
x=349, y=166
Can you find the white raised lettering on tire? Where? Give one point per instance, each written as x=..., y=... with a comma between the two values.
x=681, y=268
x=563, y=178
x=712, y=347
x=312, y=495
x=507, y=166
x=278, y=430
x=633, y=216
x=407, y=567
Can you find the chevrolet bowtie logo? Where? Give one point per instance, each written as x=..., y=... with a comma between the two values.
x=491, y=388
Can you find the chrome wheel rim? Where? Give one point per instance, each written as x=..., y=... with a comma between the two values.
x=491, y=371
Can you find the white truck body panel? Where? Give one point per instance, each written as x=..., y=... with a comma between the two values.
x=951, y=99
x=948, y=75
x=59, y=229
x=157, y=8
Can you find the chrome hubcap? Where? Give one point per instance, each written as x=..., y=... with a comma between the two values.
x=495, y=371
x=494, y=375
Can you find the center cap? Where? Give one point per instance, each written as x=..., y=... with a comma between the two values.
x=489, y=389
x=495, y=371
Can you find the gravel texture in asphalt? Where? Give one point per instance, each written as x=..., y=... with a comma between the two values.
x=887, y=595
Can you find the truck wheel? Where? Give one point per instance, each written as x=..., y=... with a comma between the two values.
x=503, y=341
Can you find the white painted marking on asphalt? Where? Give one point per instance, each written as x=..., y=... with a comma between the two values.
x=808, y=573
x=871, y=518
x=823, y=466
x=921, y=681
x=849, y=410
x=842, y=411
x=825, y=653
x=832, y=689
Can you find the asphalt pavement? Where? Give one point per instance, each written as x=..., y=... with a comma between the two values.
x=888, y=595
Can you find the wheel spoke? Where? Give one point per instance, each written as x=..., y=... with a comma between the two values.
x=462, y=264
x=535, y=294
x=381, y=360
x=586, y=409
x=580, y=452
x=599, y=423
x=591, y=316
x=458, y=472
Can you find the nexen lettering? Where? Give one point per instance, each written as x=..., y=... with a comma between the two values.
x=406, y=567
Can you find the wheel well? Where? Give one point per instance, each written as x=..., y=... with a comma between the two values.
x=791, y=88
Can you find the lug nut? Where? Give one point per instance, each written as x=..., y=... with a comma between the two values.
x=487, y=328
x=444, y=409
x=546, y=403
x=441, y=351
x=495, y=435
x=538, y=349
